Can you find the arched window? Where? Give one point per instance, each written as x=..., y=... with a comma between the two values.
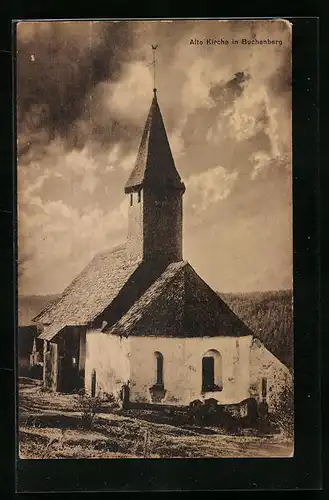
x=159, y=368
x=212, y=371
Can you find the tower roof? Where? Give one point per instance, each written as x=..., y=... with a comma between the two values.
x=154, y=164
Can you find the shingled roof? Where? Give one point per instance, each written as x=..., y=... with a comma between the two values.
x=179, y=304
x=92, y=290
x=50, y=331
x=141, y=298
x=154, y=164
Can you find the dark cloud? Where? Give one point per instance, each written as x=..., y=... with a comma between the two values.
x=225, y=93
x=57, y=69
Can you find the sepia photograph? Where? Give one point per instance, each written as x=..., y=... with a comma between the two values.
x=155, y=252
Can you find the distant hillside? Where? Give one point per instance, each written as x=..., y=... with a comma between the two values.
x=30, y=305
x=269, y=315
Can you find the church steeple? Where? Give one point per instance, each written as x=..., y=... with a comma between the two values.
x=155, y=191
x=154, y=164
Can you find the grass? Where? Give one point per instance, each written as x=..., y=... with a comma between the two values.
x=50, y=427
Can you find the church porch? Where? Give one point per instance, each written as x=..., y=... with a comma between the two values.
x=64, y=360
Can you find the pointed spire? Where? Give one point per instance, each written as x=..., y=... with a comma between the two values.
x=155, y=166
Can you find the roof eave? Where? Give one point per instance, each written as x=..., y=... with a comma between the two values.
x=131, y=188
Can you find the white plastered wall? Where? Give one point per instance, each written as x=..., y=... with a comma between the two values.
x=109, y=356
x=182, y=368
x=263, y=364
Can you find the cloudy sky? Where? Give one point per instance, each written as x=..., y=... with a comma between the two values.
x=83, y=93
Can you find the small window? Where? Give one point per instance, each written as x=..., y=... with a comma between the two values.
x=131, y=200
x=159, y=368
x=264, y=388
x=93, y=383
x=139, y=196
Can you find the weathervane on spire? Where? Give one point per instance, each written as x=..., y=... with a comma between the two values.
x=154, y=47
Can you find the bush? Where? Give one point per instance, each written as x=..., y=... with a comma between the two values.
x=283, y=413
x=203, y=412
x=111, y=399
x=88, y=406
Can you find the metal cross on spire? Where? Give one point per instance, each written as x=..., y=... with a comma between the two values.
x=154, y=47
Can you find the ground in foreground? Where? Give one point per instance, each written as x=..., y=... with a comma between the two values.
x=50, y=427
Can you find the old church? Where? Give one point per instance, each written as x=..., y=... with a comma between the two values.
x=139, y=323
